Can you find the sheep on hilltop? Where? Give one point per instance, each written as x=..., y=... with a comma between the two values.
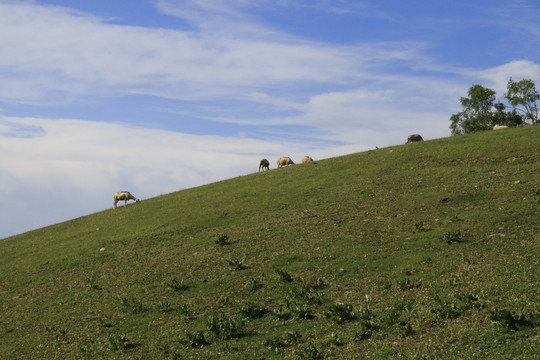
x=284, y=161
x=306, y=159
x=264, y=165
x=123, y=195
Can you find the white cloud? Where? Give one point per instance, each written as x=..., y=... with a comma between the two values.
x=497, y=77
x=48, y=52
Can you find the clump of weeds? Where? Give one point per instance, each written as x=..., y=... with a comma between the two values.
x=340, y=313
x=134, y=306
x=236, y=265
x=253, y=311
x=225, y=328
x=282, y=341
x=284, y=276
x=451, y=237
x=119, y=342
x=196, y=339
x=222, y=239
x=511, y=320
x=177, y=285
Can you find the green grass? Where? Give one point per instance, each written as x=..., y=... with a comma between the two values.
x=428, y=250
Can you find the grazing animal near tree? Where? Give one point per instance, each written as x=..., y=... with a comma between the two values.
x=123, y=195
x=284, y=161
x=414, y=138
x=500, y=127
x=264, y=165
x=306, y=159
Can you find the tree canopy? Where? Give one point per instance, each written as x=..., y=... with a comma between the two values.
x=522, y=95
x=481, y=110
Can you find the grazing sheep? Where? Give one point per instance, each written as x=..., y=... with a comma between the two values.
x=414, y=138
x=306, y=159
x=284, y=161
x=500, y=127
x=264, y=165
x=123, y=195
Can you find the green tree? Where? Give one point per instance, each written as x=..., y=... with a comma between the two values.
x=477, y=111
x=508, y=118
x=523, y=97
x=481, y=112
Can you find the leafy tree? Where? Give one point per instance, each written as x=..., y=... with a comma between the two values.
x=477, y=111
x=508, y=118
x=480, y=112
x=522, y=95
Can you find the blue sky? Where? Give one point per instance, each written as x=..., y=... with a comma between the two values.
x=155, y=96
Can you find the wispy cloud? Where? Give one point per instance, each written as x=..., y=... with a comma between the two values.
x=52, y=52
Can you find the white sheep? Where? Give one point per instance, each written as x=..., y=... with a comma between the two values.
x=264, y=165
x=306, y=159
x=123, y=195
x=284, y=161
x=500, y=127
x=414, y=138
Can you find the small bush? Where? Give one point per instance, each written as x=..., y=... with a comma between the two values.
x=196, y=339
x=225, y=300
x=173, y=354
x=252, y=311
x=164, y=306
x=300, y=311
x=393, y=316
x=177, y=285
x=183, y=309
x=236, y=265
x=408, y=284
x=134, y=306
x=511, y=320
x=222, y=239
x=92, y=284
x=119, y=342
x=367, y=326
x=333, y=340
x=340, y=313
x=407, y=329
x=468, y=301
x=254, y=285
x=365, y=330
x=310, y=352
x=283, y=341
x=284, y=276
x=419, y=227
x=452, y=309
x=317, y=284
x=451, y=237
x=307, y=294
x=226, y=328
x=105, y=324
x=536, y=193
x=282, y=313
x=60, y=334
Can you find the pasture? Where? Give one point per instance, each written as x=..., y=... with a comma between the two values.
x=426, y=250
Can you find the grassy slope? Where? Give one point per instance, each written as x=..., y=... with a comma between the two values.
x=366, y=230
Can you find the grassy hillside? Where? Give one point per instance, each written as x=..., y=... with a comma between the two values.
x=427, y=250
